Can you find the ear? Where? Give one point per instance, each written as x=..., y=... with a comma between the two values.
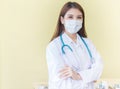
x=62, y=20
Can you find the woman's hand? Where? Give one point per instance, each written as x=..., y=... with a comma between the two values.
x=67, y=72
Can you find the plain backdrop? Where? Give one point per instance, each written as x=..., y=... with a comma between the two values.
x=26, y=27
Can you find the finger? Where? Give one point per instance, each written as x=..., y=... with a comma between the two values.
x=62, y=72
x=65, y=68
x=67, y=76
x=65, y=72
x=75, y=75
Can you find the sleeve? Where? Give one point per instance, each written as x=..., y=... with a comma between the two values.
x=93, y=73
x=55, y=63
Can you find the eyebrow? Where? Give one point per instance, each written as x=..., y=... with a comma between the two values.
x=72, y=15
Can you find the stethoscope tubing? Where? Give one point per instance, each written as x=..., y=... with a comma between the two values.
x=65, y=45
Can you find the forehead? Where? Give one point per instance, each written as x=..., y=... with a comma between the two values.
x=73, y=11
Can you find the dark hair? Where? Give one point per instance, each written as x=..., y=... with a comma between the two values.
x=60, y=27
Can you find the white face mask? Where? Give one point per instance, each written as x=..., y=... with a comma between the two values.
x=73, y=26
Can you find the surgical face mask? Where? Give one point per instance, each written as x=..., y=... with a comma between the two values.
x=73, y=26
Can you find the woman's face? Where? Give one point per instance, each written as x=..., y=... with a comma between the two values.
x=72, y=14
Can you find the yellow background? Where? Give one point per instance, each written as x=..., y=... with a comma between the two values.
x=26, y=27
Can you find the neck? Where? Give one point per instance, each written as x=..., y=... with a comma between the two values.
x=72, y=36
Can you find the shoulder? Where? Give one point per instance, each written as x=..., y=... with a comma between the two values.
x=88, y=42
x=54, y=44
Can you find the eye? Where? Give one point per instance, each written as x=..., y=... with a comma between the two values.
x=79, y=17
x=70, y=17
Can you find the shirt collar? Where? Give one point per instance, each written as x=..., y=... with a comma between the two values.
x=68, y=40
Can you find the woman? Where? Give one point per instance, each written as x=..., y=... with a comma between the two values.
x=73, y=62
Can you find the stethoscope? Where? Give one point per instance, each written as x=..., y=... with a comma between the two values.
x=65, y=45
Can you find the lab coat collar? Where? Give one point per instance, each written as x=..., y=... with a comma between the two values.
x=68, y=40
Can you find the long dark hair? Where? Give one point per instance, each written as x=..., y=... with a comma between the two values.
x=60, y=27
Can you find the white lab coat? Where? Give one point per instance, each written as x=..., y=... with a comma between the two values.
x=79, y=60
